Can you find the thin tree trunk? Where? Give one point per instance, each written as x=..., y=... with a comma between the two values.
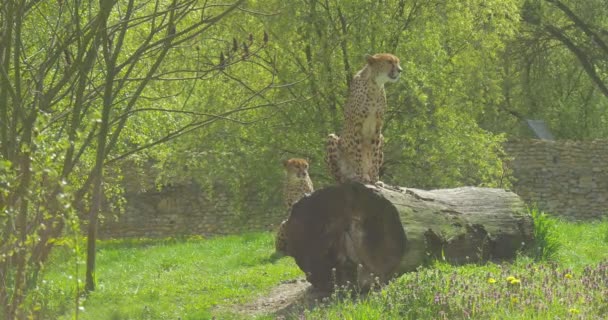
x=101, y=148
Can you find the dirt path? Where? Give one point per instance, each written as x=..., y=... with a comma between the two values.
x=288, y=297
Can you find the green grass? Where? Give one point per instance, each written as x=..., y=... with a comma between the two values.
x=520, y=291
x=583, y=243
x=169, y=279
x=195, y=278
x=570, y=283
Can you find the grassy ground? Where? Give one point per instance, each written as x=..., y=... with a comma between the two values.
x=193, y=278
x=572, y=286
x=168, y=279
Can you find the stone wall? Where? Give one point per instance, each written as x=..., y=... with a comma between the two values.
x=564, y=178
x=186, y=210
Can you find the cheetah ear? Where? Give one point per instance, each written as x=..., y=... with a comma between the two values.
x=370, y=59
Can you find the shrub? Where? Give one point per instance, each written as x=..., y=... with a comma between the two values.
x=545, y=233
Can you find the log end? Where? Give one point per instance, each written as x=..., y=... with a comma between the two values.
x=345, y=232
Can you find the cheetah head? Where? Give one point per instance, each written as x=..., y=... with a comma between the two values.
x=385, y=67
x=296, y=167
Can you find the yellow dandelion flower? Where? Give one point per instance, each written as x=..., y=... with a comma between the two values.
x=514, y=300
x=568, y=276
x=510, y=278
x=514, y=281
x=491, y=280
x=574, y=311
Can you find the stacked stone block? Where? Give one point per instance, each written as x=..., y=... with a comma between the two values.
x=563, y=178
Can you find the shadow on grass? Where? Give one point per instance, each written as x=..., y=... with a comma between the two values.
x=126, y=243
x=273, y=258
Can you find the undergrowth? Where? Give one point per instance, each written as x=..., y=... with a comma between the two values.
x=546, y=237
x=523, y=290
x=564, y=277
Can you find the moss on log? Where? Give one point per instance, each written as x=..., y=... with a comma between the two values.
x=355, y=232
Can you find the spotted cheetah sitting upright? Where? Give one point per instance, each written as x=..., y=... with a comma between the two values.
x=356, y=155
x=297, y=185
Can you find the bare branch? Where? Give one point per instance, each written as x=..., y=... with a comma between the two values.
x=581, y=56
x=259, y=13
x=578, y=22
x=195, y=125
x=193, y=113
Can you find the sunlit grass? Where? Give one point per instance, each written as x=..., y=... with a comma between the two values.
x=572, y=284
x=196, y=278
x=582, y=243
x=524, y=290
x=170, y=279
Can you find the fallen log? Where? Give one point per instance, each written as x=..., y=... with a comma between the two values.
x=361, y=233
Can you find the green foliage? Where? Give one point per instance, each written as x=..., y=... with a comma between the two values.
x=555, y=68
x=85, y=84
x=545, y=235
x=225, y=115
x=450, y=53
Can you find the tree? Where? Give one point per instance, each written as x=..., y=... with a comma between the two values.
x=450, y=53
x=556, y=67
x=75, y=78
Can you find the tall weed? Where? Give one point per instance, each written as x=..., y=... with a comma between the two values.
x=546, y=236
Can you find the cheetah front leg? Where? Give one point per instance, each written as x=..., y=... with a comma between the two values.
x=331, y=156
x=378, y=159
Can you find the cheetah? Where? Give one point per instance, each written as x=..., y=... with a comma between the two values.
x=297, y=182
x=297, y=185
x=356, y=155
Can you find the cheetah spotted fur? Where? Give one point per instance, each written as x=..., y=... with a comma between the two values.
x=297, y=185
x=356, y=155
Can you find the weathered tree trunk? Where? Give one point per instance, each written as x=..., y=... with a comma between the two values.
x=354, y=232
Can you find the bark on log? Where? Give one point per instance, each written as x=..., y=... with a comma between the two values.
x=354, y=232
